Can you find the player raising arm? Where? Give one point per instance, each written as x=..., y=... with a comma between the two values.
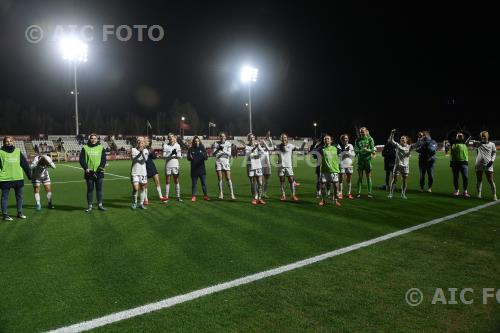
x=402, y=162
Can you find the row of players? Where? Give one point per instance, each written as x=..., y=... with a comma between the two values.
x=335, y=163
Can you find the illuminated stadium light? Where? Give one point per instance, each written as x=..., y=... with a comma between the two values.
x=73, y=49
x=248, y=74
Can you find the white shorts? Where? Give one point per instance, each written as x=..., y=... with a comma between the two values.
x=347, y=170
x=285, y=172
x=266, y=171
x=484, y=168
x=401, y=170
x=38, y=181
x=139, y=179
x=329, y=177
x=172, y=171
x=255, y=172
x=221, y=165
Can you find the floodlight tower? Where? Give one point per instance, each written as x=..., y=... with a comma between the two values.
x=248, y=75
x=74, y=51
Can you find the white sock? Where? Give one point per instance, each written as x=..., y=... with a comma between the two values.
x=158, y=189
x=260, y=187
x=146, y=194
x=49, y=197
x=230, y=184
x=479, y=187
x=178, y=190
x=282, y=187
x=167, y=190
x=142, y=195
x=219, y=185
x=134, y=196
x=348, y=188
x=37, y=198
x=340, y=187
x=493, y=188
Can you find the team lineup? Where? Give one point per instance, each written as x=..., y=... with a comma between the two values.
x=335, y=164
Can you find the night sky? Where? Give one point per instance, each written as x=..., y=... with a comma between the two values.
x=412, y=68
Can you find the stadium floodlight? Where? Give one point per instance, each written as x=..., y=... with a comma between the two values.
x=74, y=51
x=315, y=126
x=248, y=75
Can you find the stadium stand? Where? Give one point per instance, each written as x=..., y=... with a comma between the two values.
x=156, y=144
x=49, y=145
x=71, y=145
x=122, y=144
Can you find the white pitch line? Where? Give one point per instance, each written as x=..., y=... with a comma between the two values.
x=171, y=301
x=76, y=181
x=107, y=173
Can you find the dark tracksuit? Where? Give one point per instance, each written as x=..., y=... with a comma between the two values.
x=315, y=150
x=426, y=161
x=197, y=156
x=93, y=179
x=150, y=165
x=389, y=154
x=17, y=185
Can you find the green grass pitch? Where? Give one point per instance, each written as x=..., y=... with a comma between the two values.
x=63, y=266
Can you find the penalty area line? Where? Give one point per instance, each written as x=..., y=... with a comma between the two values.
x=171, y=301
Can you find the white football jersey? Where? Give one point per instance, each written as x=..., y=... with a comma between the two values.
x=38, y=171
x=285, y=155
x=402, y=155
x=253, y=156
x=346, y=155
x=139, y=162
x=222, y=150
x=170, y=152
x=486, y=152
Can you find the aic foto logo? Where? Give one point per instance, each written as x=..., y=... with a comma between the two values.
x=451, y=296
x=88, y=33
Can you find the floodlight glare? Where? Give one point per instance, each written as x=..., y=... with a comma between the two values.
x=248, y=74
x=73, y=49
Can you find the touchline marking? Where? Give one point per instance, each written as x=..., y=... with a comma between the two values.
x=107, y=173
x=171, y=301
x=76, y=181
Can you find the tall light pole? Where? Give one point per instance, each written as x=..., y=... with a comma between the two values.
x=75, y=51
x=181, y=131
x=248, y=75
x=315, y=126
